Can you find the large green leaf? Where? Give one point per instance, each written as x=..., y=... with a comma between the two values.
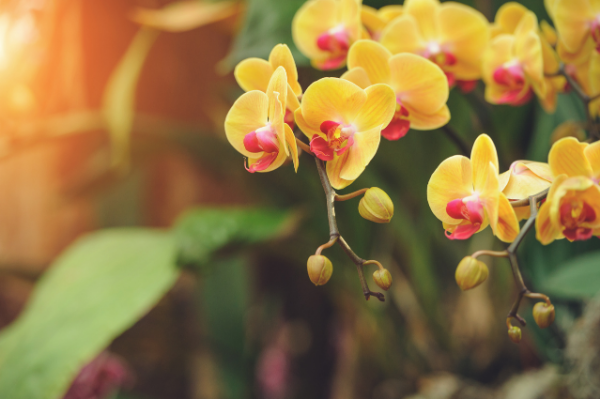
x=202, y=231
x=98, y=288
x=267, y=23
x=578, y=278
x=119, y=98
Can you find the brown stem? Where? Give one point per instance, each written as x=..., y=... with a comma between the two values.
x=344, y=197
x=335, y=234
x=458, y=140
x=489, y=253
x=304, y=146
x=326, y=245
x=514, y=262
x=525, y=202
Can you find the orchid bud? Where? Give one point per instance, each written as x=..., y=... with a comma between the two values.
x=319, y=269
x=470, y=273
x=376, y=206
x=543, y=314
x=514, y=333
x=383, y=278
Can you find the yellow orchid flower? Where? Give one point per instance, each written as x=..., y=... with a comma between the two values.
x=375, y=21
x=572, y=206
x=571, y=210
x=594, y=83
x=575, y=21
x=465, y=195
x=323, y=30
x=507, y=19
x=255, y=73
x=513, y=65
x=255, y=126
x=451, y=35
x=420, y=86
x=344, y=123
x=523, y=179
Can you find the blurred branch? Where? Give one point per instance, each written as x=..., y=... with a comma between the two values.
x=593, y=128
x=458, y=140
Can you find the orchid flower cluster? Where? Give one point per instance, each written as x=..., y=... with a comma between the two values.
x=402, y=61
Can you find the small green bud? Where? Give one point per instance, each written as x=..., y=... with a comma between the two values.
x=319, y=269
x=514, y=333
x=470, y=273
x=383, y=278
x=543, y=314
x=376, y=206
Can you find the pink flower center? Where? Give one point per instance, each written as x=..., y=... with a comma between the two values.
x=512, y=77
x=443, y=58
x=339, y=138
x=336, y=41
x=400, y=123
x=573, y=214
x=470, y=211
x=262, y=140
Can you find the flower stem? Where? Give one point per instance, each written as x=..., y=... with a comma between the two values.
x=344, y=197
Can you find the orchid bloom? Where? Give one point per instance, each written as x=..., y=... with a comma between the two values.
x=507, y=19
x=451, y=35
x=343, y=123
x=254, y=126
x=420, y=86
x=513, y=66
x=523, y=179
x=323, y=30
x=255, y=74
x=572, y=207
x=575, y=21
x=465, y=195
x=375, y=21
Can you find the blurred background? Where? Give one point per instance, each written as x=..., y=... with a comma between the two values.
x=75, y=75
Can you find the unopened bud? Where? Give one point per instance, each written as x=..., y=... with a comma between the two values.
x=383, y=278
x=470, y=273
x=376, y=206
x=543, y=314
x=514, y=333
x=319, y=269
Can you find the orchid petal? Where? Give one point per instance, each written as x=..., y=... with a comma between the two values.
x=482, y=154
x=253, y=74
x=451, y=180
x=358, y=76
x=571, y=21
x=467, y=34
x=418, y=83
x=334, y=168
x=567, y=157
x=247, y=114
x=332, y=99
x=277, y=91
x=592, y=154
x=425, y=122
x=311, y=20
x=503, y=180
x=507, y=227
x=546, y=231
x=425, y=12
x=361, y=153
x=373, y=58
x=402, y=35
x=489, y=193
x=509, y=15
x=307, y=129
x=281, y=56
x=290, y=139
x=378, y=109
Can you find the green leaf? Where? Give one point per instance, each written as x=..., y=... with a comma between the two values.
x=267, y=23
x=119, y=98
x=203, y=231
x=94, y=291
x=578, y=278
